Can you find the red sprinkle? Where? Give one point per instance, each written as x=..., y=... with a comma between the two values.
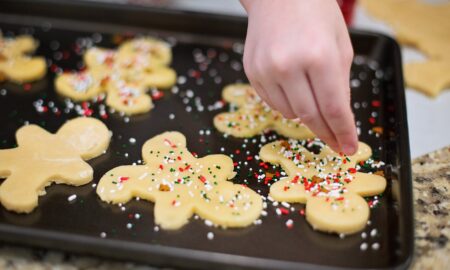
x=284, y=211
x=202, y=178
x=123, y=178
x=376, y=103
x=352, y=170
x=157, y=95
x=302, y=212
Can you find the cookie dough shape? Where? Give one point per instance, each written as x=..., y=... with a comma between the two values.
x=326, y=182
x=430, y=77
x=155, y=51
x=181, y=185
x=42, y=158
x=15, y=65
x=424, y=26
x=253, y=116
x=124, y=75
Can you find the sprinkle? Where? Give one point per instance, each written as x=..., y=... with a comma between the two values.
x=72, y=197
x=363, y=246
x=375, y=246
x=373, y=232
x=210, y=236
x=208, y=223
x=156, y=228
x=123, y=178
x=129, y=226
x=132, y=140
x=103, y=235
x=289, y=223
x=156, y=94
x=284, y=211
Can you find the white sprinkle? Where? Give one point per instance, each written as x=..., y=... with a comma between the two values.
x=132, y=140
x=208, y=223
x=373, y=232
x=363, y=235
x=375, y=246
x=103, y=235
x=171, y=116
x=137, y=216
x=156, y=228
x=341, y=235
x=129, y=225
x=72, y=197
x=210, y=236
x=363, y=246
x=181, y=80
x=3, y=92
x=278, y=211
x=285, y=204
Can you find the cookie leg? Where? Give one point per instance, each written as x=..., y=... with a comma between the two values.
x=170, y=214
x=16, y=195
x=5, y=156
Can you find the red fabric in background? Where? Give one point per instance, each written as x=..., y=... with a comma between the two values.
x=347, y=7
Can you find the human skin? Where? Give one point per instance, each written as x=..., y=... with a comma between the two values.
x=298, y=56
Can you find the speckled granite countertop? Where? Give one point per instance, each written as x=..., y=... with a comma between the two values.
x=431, y=175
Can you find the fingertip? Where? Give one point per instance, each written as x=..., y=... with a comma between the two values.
x=350, y=149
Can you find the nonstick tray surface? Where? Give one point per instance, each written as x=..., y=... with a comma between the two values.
x=206, y=60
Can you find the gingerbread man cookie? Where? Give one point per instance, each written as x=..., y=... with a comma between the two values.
x=253, y=116
x=181, y=185
x=327, y=183
x=15, y=65
x=125, y=75
x=42, y=158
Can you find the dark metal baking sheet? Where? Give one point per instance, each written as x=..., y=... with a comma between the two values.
x=76, y=226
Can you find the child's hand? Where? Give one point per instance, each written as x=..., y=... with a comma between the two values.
x=298, y=56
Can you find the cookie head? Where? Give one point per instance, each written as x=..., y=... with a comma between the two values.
x=89, y=137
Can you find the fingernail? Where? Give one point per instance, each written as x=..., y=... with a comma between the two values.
x=348, y=149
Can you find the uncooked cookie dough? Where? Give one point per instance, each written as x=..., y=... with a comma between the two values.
x=327, y=183
x=124, y=75
x=253, y=116
x=422, y=25
x=15, y=65
x=181, y=185
x=430, y=77
x=42, y=158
